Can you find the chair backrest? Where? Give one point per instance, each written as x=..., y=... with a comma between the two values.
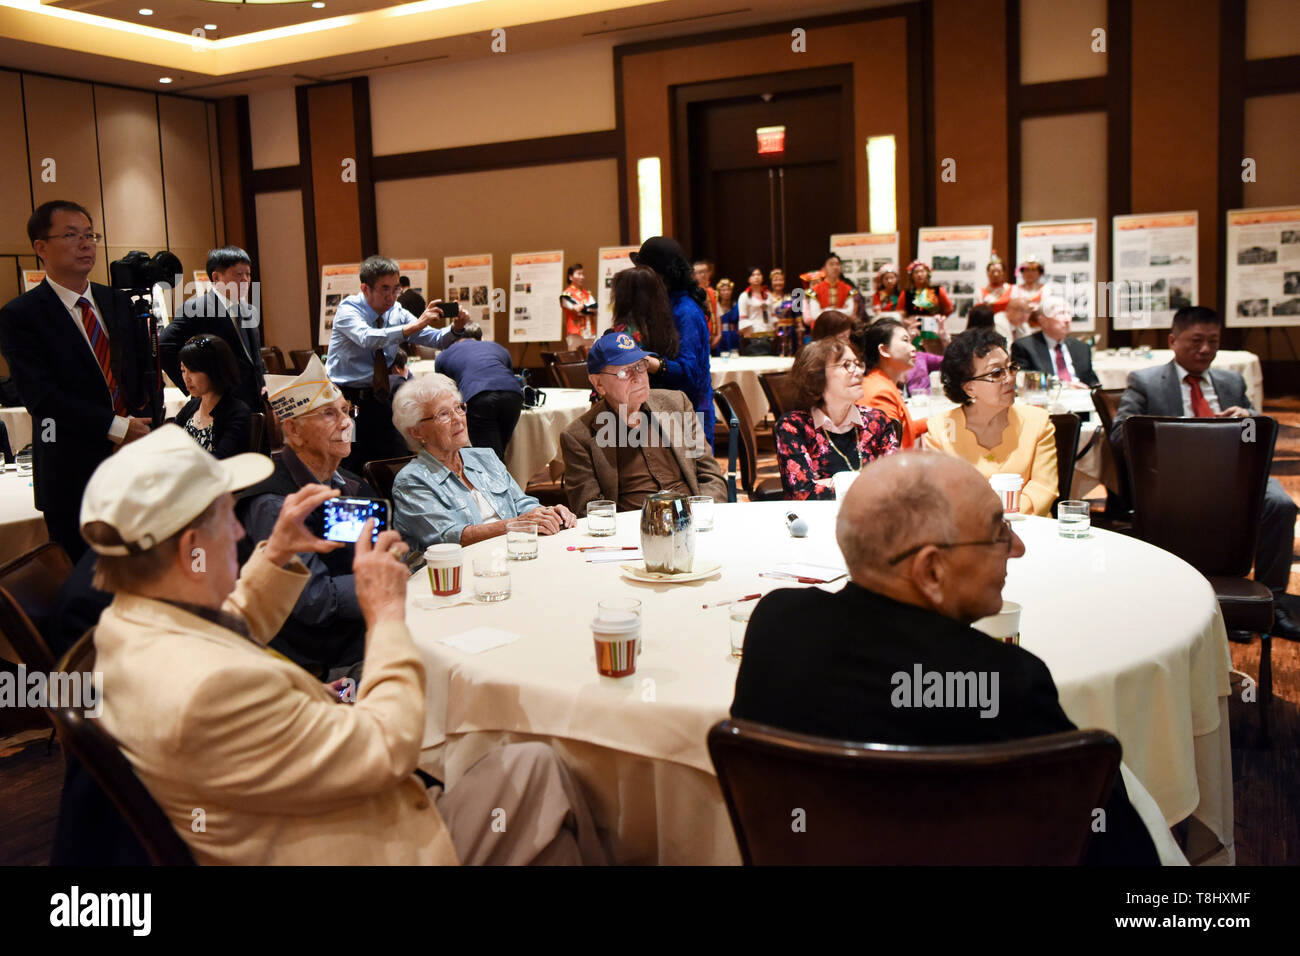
x=1198, y=486
x=571, y=374
x=1022, y=802
x=255, y=429
x=272, y=425
x=1106, y=403
x=86, y=739
x=300, y=358
x=381, y=473
x=1067, y=443
x=564, y=357
x=730, y=399
x=29, y=588
x=322, y=349
x=780, y=392
x=273, y=359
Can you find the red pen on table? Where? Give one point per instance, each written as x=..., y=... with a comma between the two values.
x=790, y=577
x=605, y=547
x=739, y=600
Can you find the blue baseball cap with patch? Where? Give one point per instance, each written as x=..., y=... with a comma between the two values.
x=614, y=348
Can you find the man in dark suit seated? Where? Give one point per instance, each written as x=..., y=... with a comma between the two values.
x=82, y=362
x=1051, y=350
x=226, y=312
x=926, y=545
x=1188, y=388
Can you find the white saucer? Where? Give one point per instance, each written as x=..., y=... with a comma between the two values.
x=637, y=572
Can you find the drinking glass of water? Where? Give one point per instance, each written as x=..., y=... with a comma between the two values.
x=491, y=578
x=601, y=522
x=521, y=540
x=1073, y=519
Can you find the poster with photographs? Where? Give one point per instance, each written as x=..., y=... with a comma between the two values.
x=536, y=281
x=468, y=281
x=862, y=255
x=611, y=261
x=1067, y=248
x=1154, y=269
x=1264, y=266
x=32, y=278
x=336, y=283
x=958, y=257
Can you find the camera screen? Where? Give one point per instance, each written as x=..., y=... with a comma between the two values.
x=345, y=517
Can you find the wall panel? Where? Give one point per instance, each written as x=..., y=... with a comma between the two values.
x=61, y=127
x=273, y=125
x=130, y=166
x=1272, y=28
x=282, y=249
x=1056, y=40
x=1272, y=128
x=16, y=196
x=333, y=136
x=187, y=179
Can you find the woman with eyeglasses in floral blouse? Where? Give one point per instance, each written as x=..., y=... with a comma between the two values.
x=831, y=432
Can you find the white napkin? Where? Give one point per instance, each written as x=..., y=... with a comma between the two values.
x=606, y=557
x=821, y=572
x=480, y=639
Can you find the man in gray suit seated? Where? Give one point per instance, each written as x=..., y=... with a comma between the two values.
x=1187, y=387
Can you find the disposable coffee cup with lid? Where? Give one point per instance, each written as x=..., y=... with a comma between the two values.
x=1008, y=485
x=444, y=562
x=1003, y=626
x=616, y=634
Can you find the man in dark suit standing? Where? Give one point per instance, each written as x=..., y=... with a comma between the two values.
x=1051, y=350
x=926, y=545
x=82, y=362
x=1188, y=388
x=223, y=311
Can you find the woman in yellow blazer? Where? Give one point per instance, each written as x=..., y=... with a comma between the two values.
x=988, y=429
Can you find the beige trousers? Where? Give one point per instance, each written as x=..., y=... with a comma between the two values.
x=518, y=805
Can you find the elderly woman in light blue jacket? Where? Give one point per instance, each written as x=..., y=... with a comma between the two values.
x=452, y=493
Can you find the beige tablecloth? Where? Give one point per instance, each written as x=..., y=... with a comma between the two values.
x=536, y=440
x=1113, y=369
x=1148, y=661
x=19, y=422
x=21, y=526
x=745, y=371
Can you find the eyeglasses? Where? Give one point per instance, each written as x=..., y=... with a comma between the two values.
x=627, y=371
x=94, y=237
x=849, y=365
x=333, y=415
x=444, y=416
x=1003, y=539
x=996, y=374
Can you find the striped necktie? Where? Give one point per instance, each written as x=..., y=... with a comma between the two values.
x=99, y=345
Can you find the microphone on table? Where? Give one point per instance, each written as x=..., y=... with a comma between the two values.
x=797, y=527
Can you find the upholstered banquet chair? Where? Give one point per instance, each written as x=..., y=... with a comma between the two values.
x=1211, y=522
x=1014, y=803
x=1067, y=427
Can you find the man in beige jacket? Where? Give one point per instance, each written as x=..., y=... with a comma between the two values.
x=251, y=757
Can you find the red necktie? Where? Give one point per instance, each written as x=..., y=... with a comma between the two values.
x=99, y=345
x=1200, y=407
x=1062, y=370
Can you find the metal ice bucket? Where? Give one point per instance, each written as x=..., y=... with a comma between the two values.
x=667, y=533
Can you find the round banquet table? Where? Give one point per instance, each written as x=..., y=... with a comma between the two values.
x=1113, y=369
x=744, y=371
x=1133, y=637
x=22, y=527
x=536, y=439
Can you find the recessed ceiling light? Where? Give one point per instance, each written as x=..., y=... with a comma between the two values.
x=146, y=12
x=318, y=5
x=209, y=26
x=164, y=79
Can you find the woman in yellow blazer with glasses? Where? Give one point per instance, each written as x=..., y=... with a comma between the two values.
x=988, y=429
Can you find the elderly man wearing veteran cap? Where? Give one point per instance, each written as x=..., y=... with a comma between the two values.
x=284, y=771
x=325, y=632
x=636, y=440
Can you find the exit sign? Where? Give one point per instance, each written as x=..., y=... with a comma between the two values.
x=771, y=139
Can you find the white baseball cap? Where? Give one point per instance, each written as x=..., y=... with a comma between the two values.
x=150, y=489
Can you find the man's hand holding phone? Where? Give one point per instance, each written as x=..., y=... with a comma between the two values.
x=290, y=535
x=380, y=576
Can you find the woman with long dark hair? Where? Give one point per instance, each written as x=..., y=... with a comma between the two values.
x=688, y=371
x=214, y=417
x=642, y=310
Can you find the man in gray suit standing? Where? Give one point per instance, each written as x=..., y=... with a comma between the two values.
x=1187, y=387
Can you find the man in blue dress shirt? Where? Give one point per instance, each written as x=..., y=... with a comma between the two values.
x=369, y=328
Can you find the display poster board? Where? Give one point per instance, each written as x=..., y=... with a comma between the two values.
x=336, y=283
x=958, y=257
x=1154, y=268
x=467, y=280
x=612, y=260
x=32, y=278
x=536, y=281
x=1263, y=257
x=1067, y=248
x=862, y=255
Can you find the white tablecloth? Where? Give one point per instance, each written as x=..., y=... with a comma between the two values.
x=536, y=440
x=1113, y=369
x=1147, y=661
x=744, y=370
x=21, y=526
x=19, y=422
